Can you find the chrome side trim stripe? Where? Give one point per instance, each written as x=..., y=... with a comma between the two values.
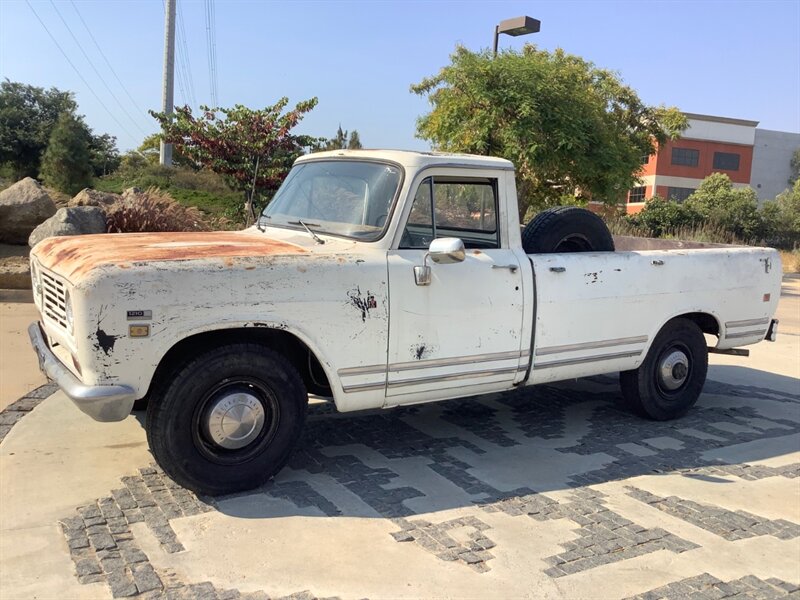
x=639, y=339
x=746, y=334
x=746, y=323
x=461, y=360
x=363, y=387
x=453, y=377
x=368, y=370
x=585, y=359
x=436, y=362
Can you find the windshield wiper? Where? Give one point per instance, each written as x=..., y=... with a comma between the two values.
x=317, y=239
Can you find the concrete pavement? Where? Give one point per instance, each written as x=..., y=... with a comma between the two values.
x=550, y=492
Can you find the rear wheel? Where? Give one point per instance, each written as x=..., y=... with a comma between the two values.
x=228, y=419
x=669, y=381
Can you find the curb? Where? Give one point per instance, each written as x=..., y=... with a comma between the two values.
x=13, y=413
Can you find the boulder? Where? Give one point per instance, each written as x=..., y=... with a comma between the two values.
x=15, y=269
x=22, y=207
x=75, y=220
x=90, y=197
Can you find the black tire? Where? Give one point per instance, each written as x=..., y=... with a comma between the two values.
x=566, y=229
x=668, y=393
x=179, y=419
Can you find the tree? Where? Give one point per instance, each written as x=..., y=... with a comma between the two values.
x=66, y=163
x=794, y=163
x=355, y=141
x=28, y=115
x=733, y=209
x=103, y=154
x=252, y=149
x=782, y=218
x=569, y=127
x=151, y=148
x=341, y=141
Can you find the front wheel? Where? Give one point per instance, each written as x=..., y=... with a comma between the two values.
x=228, y=419
x=669, y=381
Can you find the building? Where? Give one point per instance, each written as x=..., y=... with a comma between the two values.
x=749, y=156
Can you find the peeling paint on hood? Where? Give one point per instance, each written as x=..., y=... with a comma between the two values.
x=75, y=256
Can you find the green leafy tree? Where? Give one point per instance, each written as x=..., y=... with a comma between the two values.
x=28, y=115
x=570, y=128
x=354, y=143
x=151, y=148
x=339, y=142
x=251, y=149
x=794, y=163
x=732, y=209
x=66, y=164
x=782, y=218
x=103, y=154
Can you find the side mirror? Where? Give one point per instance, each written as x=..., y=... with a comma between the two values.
x=443, y=251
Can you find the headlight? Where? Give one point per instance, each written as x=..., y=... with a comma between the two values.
x=68, y=311
x=36, y=281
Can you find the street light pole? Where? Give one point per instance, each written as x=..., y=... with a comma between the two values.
x=168, y=89
x=515, y=27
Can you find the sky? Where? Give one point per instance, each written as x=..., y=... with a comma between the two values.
x=728, y=58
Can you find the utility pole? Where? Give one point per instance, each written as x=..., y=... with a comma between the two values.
x=168, y=90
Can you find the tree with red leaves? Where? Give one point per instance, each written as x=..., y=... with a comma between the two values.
x=252, y=149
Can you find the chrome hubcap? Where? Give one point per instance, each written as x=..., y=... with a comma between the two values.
x=235, y=420
x=673, y=370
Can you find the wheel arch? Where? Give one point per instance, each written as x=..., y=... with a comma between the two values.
x=292, y=346
x=707, y=321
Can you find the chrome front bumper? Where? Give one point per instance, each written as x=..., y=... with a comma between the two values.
x=101, y=402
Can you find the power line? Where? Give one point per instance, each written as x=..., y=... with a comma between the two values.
x=99, y=75
x=183, y=60
x=82, y=78
x=110, y=68
x=211, y=47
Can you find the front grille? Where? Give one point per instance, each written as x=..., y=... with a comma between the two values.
x=54, y=300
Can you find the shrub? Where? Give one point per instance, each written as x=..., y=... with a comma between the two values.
x=660, y=217
x=732, y=209
x=782, y=218
x=153, y=210
x=65, y=163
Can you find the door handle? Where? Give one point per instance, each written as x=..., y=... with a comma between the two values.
x=512, y=268
x=558, y=269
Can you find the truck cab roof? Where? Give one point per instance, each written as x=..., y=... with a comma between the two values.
x=414, y=159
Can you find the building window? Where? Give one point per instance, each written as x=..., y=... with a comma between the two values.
x=679, y=194
x=685, y=156
x=637, y=194
x=726, y=161
x=645, y=159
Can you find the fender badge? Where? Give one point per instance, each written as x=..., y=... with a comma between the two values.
x=138, y=315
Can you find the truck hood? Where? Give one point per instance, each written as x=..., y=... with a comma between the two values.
x=75, y=256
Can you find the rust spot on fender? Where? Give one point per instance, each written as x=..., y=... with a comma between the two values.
x=75, y=256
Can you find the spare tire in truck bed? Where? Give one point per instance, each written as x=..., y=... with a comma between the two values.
x=566, y=229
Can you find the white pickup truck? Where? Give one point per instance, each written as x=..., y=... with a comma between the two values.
x=378, y=279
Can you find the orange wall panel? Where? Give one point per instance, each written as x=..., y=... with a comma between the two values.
x=705, y=164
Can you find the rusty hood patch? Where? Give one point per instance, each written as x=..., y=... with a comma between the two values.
x=75, y=256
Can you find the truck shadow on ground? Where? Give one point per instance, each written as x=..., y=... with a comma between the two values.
x=460, y=453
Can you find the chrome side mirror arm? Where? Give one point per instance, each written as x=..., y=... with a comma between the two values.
x=422, y=274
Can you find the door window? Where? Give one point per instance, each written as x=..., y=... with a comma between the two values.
x=464, y=208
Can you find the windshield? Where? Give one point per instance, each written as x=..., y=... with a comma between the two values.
x=340, y=197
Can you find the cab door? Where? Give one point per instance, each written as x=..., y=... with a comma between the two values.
x=463, y=330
